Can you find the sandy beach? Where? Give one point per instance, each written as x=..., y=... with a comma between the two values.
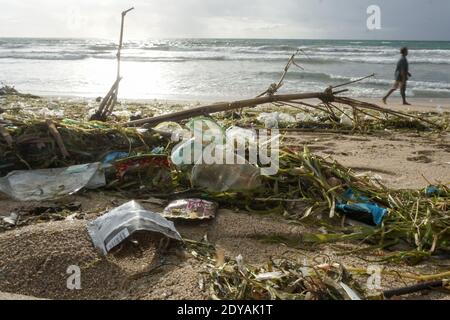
x=241, y=152
x=34, y=258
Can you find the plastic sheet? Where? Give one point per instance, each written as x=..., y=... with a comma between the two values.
x=48, y=184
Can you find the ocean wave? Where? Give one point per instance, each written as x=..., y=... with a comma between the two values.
x=277, y=48
x=218, y=55
x=328, y=77
x=45, y=57
x=188, y=58
x=431, y=93
x=304, y=75
x=373, y=60
x=102, y=47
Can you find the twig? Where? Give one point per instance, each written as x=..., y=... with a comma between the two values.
x=367, y=105
x=57, y=137
x=6, y=136
x=274, y=87
x=354, y=81
x=415, y=288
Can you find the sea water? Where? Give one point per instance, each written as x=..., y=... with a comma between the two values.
x=217, y=69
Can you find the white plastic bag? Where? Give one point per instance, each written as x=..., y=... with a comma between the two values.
x=118, y=224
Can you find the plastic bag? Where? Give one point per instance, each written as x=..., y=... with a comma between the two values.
x=48, y=184
x=360, y=208
x=305, y=117
x=118, y=224
x=346, y=121
x=271, y=120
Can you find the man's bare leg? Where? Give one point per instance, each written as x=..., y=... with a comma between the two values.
x=403, y=93
x=387, y=95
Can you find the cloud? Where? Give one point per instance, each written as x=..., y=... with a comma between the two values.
x=401, y=19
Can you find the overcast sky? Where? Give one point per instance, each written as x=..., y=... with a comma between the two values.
x=311, y=19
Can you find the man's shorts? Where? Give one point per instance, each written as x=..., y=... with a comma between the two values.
x=398, y=84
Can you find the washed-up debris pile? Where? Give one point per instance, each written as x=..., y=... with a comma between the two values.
x=304, y=186
x=52, y=159
x=283, y=279
x=37, y=144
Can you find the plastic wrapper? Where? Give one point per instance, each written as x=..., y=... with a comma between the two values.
x=191, y=209
x=114, y=227
x=49, y=184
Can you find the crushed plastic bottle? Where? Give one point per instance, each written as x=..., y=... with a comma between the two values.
x=226, y=177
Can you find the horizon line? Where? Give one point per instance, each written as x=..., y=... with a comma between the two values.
x=218, y=38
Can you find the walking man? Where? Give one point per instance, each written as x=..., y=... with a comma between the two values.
x=401, y=77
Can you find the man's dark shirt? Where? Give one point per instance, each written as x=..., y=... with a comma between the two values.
x=402, y=68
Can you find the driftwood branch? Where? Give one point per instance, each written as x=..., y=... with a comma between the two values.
x=226, y=106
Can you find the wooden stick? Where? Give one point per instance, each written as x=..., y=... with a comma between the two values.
x=6, y=136
x=274, y=87
x=124, y=13
x=57, y=137
x=105, y=100
x=107, y=105
x=415, y=288
x=354, y=81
